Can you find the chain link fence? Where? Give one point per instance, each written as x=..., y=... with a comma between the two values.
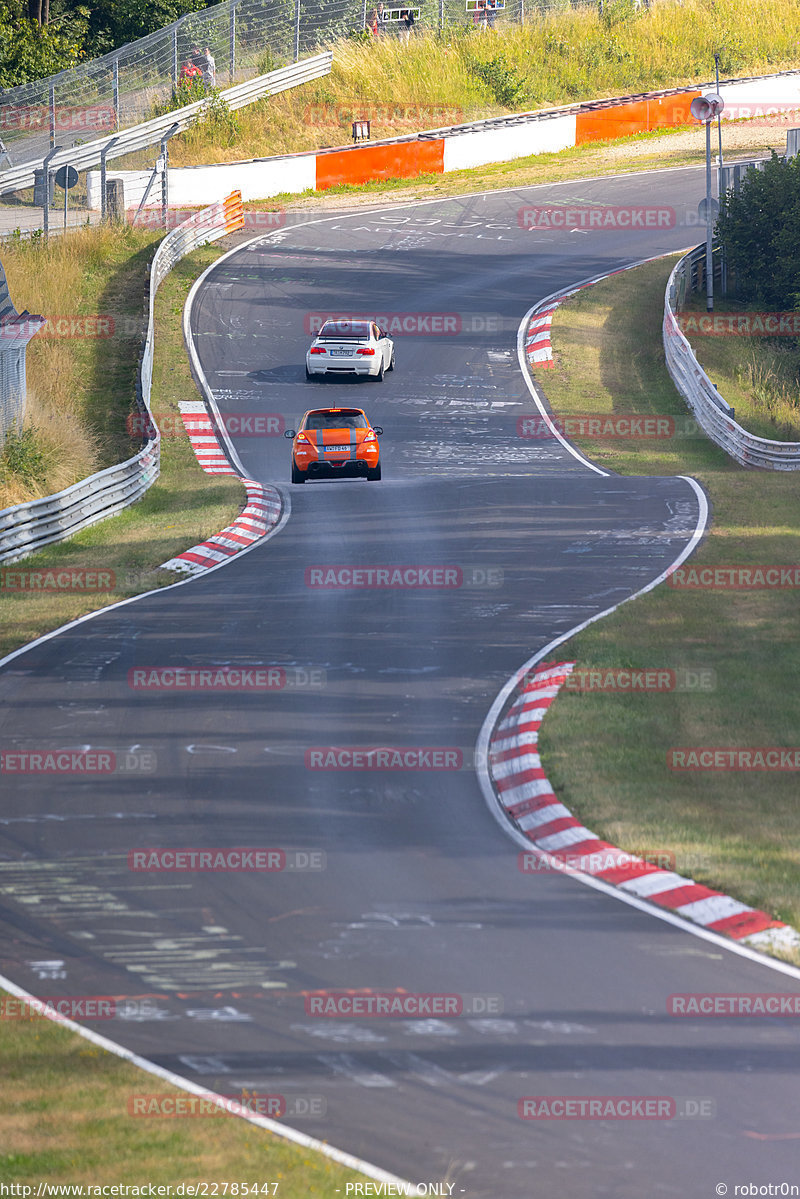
x=244, y=38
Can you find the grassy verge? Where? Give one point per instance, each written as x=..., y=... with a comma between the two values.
x=183, y=507
x=82, y=367
x=759, y=376
x=64, y=1109
x=606, y=753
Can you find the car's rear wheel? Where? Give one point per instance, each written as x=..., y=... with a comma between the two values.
x=374, y=475
x=308, y=373
x=297, y=475
x=390, y=367
x=379, y=377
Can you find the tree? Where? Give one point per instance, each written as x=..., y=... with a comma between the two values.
x=758, y=226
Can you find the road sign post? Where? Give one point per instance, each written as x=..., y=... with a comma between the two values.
x=704, y=109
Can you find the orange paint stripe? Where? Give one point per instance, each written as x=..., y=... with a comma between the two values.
x=402, y=160
x=634, y=116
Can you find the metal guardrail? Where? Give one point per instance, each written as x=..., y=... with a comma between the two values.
x=147, y=134
x=712, y=413
x=26, y=528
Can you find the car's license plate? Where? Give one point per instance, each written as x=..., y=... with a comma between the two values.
x=337, y=447
x=342, y=353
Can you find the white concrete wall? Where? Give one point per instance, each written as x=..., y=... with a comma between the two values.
x=194, y=187
x=502, y=145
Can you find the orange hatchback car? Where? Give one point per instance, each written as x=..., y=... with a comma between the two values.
x=335, y=441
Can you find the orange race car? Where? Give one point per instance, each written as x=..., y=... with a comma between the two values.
x=335, y=441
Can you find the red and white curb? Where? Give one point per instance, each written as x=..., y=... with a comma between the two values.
x=261, y=513
x=538, y=349
x=528, y=799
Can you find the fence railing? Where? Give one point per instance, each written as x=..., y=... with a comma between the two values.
x=26, y=528
x=712, y=413
x=102, y=150
x=245, y=38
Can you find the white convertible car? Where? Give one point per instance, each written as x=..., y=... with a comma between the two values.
x=350, y=347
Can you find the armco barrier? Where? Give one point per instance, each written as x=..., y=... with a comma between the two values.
x=712, y=413
x=138, y=137
x=29, y=527
x=458, y=147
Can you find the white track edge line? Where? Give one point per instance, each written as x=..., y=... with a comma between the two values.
x=184, y=1084
x=557, y=298
x=484, y=780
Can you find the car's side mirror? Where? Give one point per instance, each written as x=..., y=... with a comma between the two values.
x=377, y=430
x=290, y=433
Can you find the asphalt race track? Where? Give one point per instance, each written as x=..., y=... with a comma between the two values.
x=415, y=888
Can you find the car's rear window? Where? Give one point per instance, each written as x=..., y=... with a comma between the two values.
x=346, y=419
x=335, y=330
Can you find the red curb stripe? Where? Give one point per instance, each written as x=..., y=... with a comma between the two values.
x=524, y=776
x=678, y=897
x=744, y=924
x=622, y=874
x=555, y=826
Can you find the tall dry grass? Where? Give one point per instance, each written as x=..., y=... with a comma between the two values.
x=79, y=388
x=556, y=58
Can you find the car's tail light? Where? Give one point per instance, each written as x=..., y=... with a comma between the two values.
x=317, y=350
x=365, y=351
x=369, y=437
x=302, y=439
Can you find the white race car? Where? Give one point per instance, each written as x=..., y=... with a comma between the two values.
x=350, y=347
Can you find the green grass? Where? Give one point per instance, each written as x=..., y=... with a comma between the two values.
x=758, y=376
x=183, y=507
x=606, y=753
x=64, y=1111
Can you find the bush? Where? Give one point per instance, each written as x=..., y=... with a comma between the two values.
x=21, y=457
x=759, y=227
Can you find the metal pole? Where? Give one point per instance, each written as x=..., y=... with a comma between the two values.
x=175, y=56
x=173, y=129
x=522, y=12
x=46, y=205
x=719, y=121
x=52, y=115
x=364, y=15
x=103, y=154
x=232, y=43
x=66, y=195
x=116, y=91
x=441, y=15
x=709, y=225
x=296, y=30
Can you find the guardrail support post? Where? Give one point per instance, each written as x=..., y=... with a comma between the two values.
x=108, y=146
x=232, y=43
x=46, y=205
x=175, y=56
x=116, y=92
x=173, y=129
